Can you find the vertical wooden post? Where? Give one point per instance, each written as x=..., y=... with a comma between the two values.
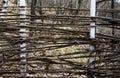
x=113, y=15
x=23, y=35
x=92, y=26
x=92, y=35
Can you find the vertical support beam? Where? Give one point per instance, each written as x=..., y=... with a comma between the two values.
x=113, y=27
x=92, y=14
x=23, y=35
x=92, y=35
x=33, y=3
x=112, y=14
x=92, y=26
